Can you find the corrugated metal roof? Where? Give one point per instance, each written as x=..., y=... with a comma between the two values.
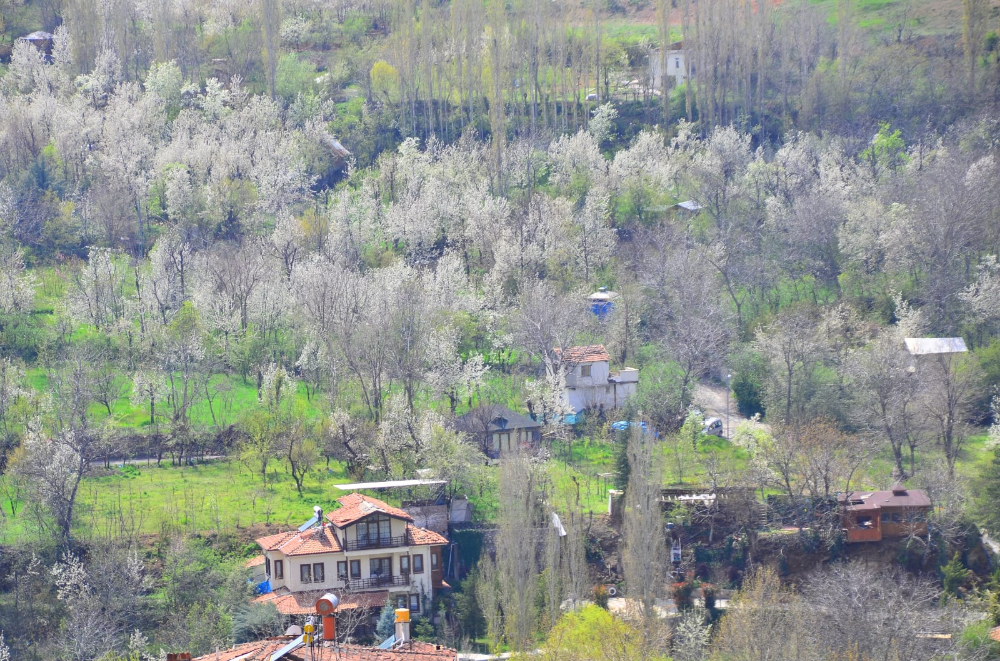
x=922, y=346
x=689, y=205
x=389, y=484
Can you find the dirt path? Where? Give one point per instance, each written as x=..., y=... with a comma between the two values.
x=711, y=399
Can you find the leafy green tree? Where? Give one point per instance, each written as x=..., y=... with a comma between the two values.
x=886, y=152
x=989, y=493
x=470, y=617
x=954, y=576
x=593, y=634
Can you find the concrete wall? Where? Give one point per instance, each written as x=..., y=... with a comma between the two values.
x=431, y=517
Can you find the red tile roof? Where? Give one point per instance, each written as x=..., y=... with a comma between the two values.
x=255, y=561
x=262, y=650
x=271, y=542
x=314, y=540
x=423, y=537
x=356, y=506
x=304, y=603
x=587, y=354
x=995, y=634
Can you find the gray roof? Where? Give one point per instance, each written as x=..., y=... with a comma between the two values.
x=921, y=346
x=503, y=418
x=38, y=36
x=689, y=205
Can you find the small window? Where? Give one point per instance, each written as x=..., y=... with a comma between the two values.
x=434, y=560
x=355, y=569
x=585, y=370
x=305, y=573
x=418, y=564
x=279, y=568
x=319, y=572
x=342, y=569
x=401, y=601
x=267, y=566
x=404, y=564
x=415, y=602
x=677, y=62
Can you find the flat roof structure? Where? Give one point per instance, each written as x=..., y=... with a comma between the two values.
x=389, y=484
x=924, y=346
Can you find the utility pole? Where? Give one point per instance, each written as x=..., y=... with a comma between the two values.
x=729, y=434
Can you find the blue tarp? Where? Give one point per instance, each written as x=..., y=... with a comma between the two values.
x=601, y=308
x=263, y=587
x=623, y=425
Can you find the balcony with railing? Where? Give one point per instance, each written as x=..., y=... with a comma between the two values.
x=365, y=543
x=377, y=582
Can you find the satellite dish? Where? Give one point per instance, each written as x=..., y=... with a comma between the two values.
x=327, y=604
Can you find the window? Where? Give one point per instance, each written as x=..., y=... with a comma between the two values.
x=305, y=573
x=381, y=568
x=677, y=62
x=342, y=569
x=267, y=566
x=415, y=603
x=404, y=565
x=418, y=564
x=355, y=569
x=585, y=370
x=401, y=601
x=319, y=573
x=279, y=568
x=434, y=559
x=374, y=531
x=865, y=522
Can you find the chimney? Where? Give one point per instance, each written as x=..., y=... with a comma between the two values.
x=402, y=625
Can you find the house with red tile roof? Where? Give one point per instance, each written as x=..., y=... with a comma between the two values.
x=262, y=650
x=590, y=381
x=365, y=551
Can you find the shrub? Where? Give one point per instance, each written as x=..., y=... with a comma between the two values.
x=681, y=593
x=601, y=596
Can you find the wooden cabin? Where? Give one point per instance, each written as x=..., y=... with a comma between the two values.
x=871, y=516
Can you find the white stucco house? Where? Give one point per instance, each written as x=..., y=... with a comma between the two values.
x=668, y=63
x=366, y=551
x=590, y=382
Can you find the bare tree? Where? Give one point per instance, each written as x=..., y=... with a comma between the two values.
x=643, y=537
x=762, y=621
x=886, y=395
x=880, y=611
x=517, y=548
x=950, y=384
x=791, y=348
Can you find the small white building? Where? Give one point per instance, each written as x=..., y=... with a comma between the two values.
x=590, y=382
x=669, y=63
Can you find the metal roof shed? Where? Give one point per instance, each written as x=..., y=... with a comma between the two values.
x=925, y=346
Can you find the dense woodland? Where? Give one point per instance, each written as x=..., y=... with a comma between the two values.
x=281, y=242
